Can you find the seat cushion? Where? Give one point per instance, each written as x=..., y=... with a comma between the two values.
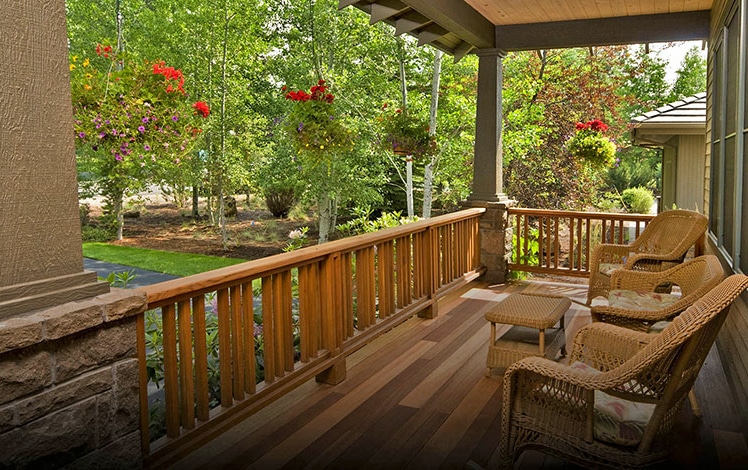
x=608, y=268
x=633, y=300
x=617, y=421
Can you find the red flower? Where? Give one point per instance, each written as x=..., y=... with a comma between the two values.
x=202, y=108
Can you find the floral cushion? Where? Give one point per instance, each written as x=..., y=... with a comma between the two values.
x=617, y=421
x=633, y=300
x=659, y=326
x=608, y=268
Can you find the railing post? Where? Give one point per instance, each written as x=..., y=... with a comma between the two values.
x=496, y=238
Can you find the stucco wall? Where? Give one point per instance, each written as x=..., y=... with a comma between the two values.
x=39, y=227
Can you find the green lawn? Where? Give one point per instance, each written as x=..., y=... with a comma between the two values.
x=177, y=264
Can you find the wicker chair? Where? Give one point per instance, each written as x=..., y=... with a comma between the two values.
x=561, y=409
x=634, y=303
x=663, y=243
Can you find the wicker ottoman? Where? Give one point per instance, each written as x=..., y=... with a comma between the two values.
x=534, y=317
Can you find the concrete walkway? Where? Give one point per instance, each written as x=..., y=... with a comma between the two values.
x=143, y=277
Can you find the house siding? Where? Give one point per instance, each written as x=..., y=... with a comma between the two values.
x=689, y=181
x=725, y=240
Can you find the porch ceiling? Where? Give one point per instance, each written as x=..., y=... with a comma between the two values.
x=459, y=26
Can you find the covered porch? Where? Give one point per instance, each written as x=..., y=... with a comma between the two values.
x=414, y=393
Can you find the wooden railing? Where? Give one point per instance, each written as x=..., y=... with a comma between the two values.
x=272, y=324
x=560, y=242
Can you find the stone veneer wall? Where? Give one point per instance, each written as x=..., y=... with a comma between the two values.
x=69, y=385
x=496, y=239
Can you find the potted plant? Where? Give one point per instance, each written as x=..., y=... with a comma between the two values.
x=589, y=144
x=405, y=133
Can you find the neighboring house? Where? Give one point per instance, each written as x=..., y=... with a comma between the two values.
x=678, y=129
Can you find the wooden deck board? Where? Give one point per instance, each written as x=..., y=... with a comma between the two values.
x=417, y=398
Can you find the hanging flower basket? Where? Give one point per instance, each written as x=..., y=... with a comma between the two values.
x=405, y=133
x=589, y=144
x=315, y=128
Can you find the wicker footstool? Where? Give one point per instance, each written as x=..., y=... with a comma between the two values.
x=534, y=317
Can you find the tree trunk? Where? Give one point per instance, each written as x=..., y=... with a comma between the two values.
x=428, y=171
x=326, y=216
x=195, y=201
x=409, y=185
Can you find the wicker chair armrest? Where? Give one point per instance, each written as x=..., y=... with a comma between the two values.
x=545, y=367
x=605, y=346
x=648, y=258
x=643, y=281
x=609, y=253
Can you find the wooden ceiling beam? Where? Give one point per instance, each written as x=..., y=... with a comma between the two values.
x=459, y=18
x=686, y=26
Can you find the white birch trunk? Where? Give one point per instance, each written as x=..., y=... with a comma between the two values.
x=428, y=172
x=409, y=185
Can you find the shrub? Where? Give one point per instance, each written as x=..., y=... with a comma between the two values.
x=638, y=200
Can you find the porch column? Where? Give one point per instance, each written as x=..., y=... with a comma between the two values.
x=488, y=180
x=487, y=163
x=68, y=363
x=40, y=235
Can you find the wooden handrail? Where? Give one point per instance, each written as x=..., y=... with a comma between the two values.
x=291, y=316
x=560, y=242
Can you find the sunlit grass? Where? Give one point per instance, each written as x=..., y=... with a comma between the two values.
x=168, y=262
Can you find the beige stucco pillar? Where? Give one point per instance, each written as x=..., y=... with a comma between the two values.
x=488, y=180
x=41, y=261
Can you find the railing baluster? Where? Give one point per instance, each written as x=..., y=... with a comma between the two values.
x=185, y=365
x=224, y=347
x=346, y=265
x=201, y=358
x=286, y=318
x=365, y=288
x=237, y=343
x=556, y=246
x=248, y=317
x=268, y=329
x=171, y=380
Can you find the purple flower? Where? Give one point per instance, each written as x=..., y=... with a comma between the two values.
x=145, y=120
x=102, y=135
x=141, y=129
x=146, y=147
x=300, y=127
x=107, y=122
x=82, y=135
x=174, y=118
x=118, y=157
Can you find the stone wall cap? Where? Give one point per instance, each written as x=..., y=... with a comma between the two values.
x=26, y=329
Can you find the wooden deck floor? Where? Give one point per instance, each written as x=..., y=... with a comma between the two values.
x=417, y=398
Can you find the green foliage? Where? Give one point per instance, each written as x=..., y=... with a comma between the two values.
x=638, y=200
x=530, y=257
x=636, y=166
x=691, y=76
x=362, y=222
x=120, y=279
x=97, y=234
